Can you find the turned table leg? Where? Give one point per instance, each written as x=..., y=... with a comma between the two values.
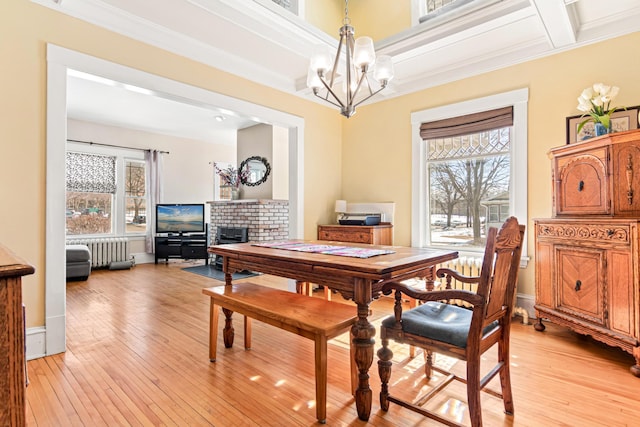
x=363, y=332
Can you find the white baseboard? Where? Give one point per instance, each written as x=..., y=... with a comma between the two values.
x=36, y=342
x=526, y=302
x=143, y=258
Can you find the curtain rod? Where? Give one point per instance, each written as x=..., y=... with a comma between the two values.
x=114, y=146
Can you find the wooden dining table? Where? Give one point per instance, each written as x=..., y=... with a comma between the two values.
x=357, y=279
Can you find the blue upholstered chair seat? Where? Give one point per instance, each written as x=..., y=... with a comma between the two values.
x=442, y=322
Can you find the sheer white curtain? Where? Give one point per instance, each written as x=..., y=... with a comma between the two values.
x=153, y=159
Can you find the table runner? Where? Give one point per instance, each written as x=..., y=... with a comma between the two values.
x=348, y=251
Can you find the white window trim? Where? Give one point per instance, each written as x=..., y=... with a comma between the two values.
x=420, y=202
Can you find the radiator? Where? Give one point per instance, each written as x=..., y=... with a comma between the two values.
x=471, y=266
x=106, y=250
x=467, y=266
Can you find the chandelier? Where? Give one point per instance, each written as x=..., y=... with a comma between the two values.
x=360, y=57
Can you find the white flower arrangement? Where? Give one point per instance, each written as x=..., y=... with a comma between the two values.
x=596, y=103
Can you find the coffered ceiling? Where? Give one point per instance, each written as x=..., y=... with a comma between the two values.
x=259, y=41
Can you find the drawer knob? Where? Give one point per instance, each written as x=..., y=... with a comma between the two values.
x=578, y=285
x=581, y=186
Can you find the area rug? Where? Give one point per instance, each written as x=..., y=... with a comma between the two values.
x=211, y=272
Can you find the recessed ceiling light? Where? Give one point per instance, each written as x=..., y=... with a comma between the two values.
x=220, y=118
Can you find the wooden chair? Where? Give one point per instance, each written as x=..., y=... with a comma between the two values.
x=459, y=332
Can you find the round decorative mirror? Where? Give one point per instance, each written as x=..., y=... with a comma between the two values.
x=254, y=171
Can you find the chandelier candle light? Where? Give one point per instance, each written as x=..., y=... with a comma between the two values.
x=360, y=56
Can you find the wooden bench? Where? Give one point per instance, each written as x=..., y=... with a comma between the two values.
x=313, y=318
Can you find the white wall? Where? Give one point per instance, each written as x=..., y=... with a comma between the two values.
x=280, y=165
x=257, y=141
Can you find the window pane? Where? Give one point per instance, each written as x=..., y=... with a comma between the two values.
x=135, y=197
x=433, y=5
x=136, y=215
x=468, y=183
x=493, y=213
x=89, y=213
x=504, y=212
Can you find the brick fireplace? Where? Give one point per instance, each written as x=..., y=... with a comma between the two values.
x=265, y=219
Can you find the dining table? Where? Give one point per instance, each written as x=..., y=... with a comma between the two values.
x=356, y=271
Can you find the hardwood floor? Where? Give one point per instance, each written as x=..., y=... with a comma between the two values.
x=137, y=354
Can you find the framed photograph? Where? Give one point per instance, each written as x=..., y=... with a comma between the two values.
x=621, y=121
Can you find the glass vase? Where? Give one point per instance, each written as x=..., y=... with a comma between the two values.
x=235, y=193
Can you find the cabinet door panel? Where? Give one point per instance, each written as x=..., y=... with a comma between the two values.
x=620, y=302
x=581, y=283
x=626, y=178
x=544, y=273
x=582, y=185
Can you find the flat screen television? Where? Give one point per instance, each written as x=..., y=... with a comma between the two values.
x=180, y=218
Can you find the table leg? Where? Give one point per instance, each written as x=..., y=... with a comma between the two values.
x=363, y=332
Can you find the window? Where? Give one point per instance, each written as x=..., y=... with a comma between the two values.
x=293, y=6
x=469, y=162
x=106, y=191
x=429, y=10
x=464, y=174
x=91, y=184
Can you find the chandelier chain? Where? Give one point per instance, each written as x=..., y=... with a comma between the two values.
x=346, y=21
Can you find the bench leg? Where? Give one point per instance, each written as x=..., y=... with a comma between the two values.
x=228, y=331
x=247, y=333
x=213, y=331
x=327, y=293
x=321, y=378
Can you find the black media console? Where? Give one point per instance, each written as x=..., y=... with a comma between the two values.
x=191, y=246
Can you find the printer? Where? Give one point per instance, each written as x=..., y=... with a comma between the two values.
x=360, y=219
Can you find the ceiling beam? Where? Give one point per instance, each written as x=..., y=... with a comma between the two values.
x=558, y=25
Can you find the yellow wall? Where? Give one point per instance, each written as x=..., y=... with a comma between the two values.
x=25, y=29
x=379, y=19
x=326, y=15
x=365, y=158
x=377, y=140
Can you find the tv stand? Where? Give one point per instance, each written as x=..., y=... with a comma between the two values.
x=185, y=246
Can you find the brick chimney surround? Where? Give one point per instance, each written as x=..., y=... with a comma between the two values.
x=266, y=219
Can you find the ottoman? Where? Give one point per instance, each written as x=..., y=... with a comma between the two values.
x=78, y=262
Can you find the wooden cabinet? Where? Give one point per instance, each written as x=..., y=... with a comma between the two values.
x=587, y=257
x=598, y=177
x=12, y=351
x=372, y=234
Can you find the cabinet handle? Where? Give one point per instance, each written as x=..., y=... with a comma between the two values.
x=578, y=285
x=581, y=186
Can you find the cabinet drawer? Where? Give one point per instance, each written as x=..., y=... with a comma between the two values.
x=353, y=237
x=581, y=183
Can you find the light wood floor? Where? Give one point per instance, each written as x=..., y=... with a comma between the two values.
x=137, y=354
